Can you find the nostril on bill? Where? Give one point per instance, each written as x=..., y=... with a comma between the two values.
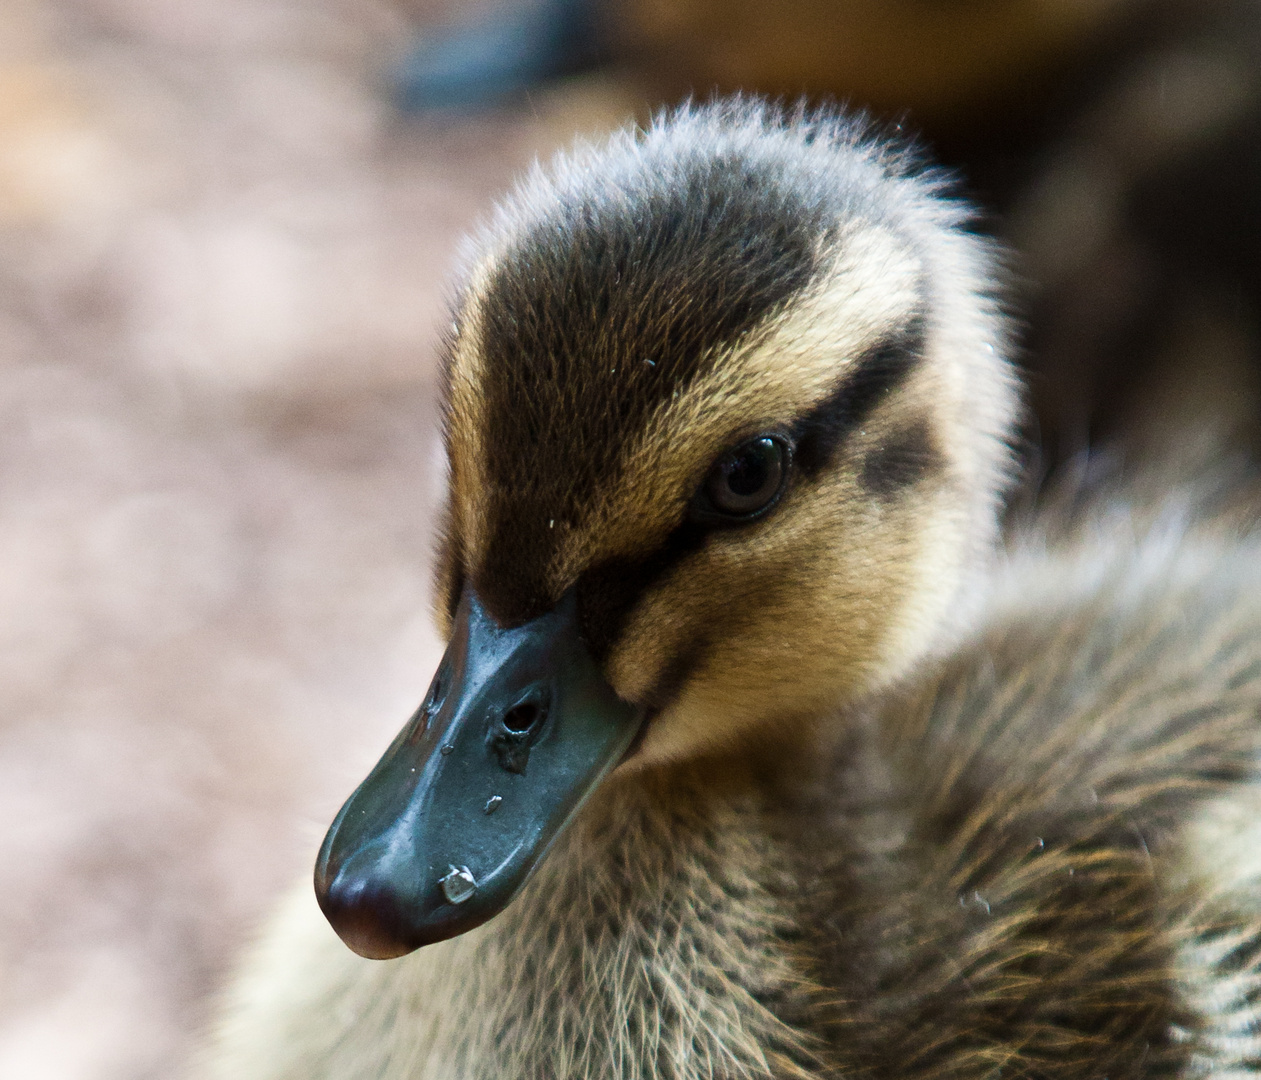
x=522, y=717
x=512, y=735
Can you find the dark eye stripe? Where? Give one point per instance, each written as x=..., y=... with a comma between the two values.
x=901, y=461
x=607, y=594
x=819, y=434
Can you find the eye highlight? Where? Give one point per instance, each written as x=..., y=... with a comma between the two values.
x=745, y=482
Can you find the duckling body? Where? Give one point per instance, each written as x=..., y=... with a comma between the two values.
x=887, y=812
x=1042, y=857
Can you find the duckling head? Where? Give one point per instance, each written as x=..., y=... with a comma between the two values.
x=727, y=417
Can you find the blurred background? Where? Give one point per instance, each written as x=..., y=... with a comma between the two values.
x=225, y=230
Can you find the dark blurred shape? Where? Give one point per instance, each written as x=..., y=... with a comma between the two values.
x=1130, y=191
x=941, y=60
x=518, y=46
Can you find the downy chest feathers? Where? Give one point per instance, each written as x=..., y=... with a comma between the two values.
x=658, y=939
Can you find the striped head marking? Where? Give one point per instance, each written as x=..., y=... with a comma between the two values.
x=655, y=328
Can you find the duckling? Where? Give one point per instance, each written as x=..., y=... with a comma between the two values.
x=746, y=757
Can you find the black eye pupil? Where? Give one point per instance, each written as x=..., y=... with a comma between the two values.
x=748, y=479
x=747, y=475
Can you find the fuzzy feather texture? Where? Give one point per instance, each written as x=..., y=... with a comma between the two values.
x=896, y=815
x=1036, y=858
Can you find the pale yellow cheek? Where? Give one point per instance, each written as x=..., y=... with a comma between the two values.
x=789, y=628
x=938, y=559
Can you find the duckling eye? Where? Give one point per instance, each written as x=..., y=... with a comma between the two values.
x=745, y=482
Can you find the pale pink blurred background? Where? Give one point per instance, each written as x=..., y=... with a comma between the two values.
x=222, y=267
